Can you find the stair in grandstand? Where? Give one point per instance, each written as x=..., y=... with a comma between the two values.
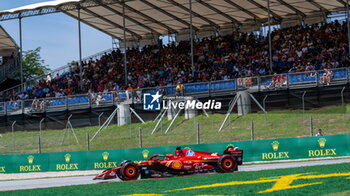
x=8, y=69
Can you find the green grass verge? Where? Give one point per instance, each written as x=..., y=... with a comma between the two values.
x=345, y=193
x=279, y=124
x=313, y=180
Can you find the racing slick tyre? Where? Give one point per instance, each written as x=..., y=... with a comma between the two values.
x=119, y=174
x=226, y=164
x=129, y=171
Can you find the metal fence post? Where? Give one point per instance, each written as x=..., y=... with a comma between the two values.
x=303, y=104
x=99, y=119
x=311, y=126
x=252, y=130
x=264, y=105
x=198, y=134
x=342, y=100
x=39, y=144
x=130, y=130
x=140, y=137
x=264, y=101
x=13, y=136
x=87, y=141
x=40, y=127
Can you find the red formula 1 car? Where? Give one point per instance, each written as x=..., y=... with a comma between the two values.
x=184, y=162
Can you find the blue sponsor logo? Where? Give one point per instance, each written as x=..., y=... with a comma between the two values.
x=190, y=153
x=151, y=101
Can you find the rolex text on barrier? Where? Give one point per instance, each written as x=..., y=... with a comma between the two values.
x=258, y=150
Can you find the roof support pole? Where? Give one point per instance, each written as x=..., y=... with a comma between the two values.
x=125, y=57
x=347, y=22
x=80, y=52
x=270, y=43
x=21, y=52
x=191, y=37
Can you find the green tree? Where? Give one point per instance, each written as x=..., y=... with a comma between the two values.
x=33, y=65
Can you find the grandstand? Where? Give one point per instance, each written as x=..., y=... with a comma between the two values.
x=218, y=51
x=9, y=60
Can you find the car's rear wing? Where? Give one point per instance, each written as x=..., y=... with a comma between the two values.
x=238, y=154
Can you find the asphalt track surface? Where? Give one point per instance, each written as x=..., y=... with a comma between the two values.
x=80, y=180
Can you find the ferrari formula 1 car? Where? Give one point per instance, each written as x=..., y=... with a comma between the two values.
x=184, y=162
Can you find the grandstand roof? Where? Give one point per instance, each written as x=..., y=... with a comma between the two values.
x=148, y=18
x=7, y=44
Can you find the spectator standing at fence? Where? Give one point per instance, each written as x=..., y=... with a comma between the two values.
x=35, y=104
x=319, y=132
x=99, y=99
x=329, y=76
x=179, y=89
x=274, y=81
x=129, y=91
x=326, y=76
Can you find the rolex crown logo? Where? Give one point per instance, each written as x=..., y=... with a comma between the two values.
x=67, y=157
x=275, y=145
x=187, y=148
x=322, y=142
x=30, y=159
x=105, y=156
x=145, y=153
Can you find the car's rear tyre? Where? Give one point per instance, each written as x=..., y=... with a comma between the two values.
x=129, y=171
x=226, y=164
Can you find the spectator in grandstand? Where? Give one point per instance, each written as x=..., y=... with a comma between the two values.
x=129, y=91
x=274, y=82
x=326, y=76
x=48, y=79
x=35, y=104
x=282, y=80
x=240, y=55
x=138, y=94
x=99, y=98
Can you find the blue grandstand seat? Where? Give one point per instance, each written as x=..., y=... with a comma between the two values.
x=121, y=95
x=196, y=87
x=339, y=74
x=108, y=97
x=300, y=78
x=170, y=90
x=84, y=99
x=223, y=85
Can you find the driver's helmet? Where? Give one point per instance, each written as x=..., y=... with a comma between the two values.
x=179, y=152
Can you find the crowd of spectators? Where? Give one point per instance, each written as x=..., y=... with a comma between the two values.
x=295, y=49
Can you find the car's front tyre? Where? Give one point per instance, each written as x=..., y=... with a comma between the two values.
x=129, y=171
